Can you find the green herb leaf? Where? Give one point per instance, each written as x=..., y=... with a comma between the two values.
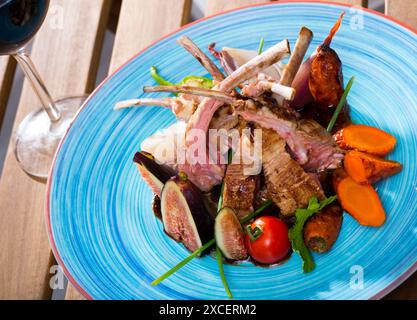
x=184, y=262
x=253, y=215
x=158, y=78
x=197, y=81
x=340, y=105
x=261, y=46
x=222, y=275
x=296, y=236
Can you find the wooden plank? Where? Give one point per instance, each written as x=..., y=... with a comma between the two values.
x=140, y=23
x=65, y=52
x=215, y=6
x=7, y=68
x=403, y=10
x=363, y=3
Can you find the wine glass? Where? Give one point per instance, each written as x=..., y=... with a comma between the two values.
x=39, y=134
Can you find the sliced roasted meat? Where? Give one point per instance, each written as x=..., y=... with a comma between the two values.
x=323, y=153
x=239, y=190
x=240, y=184
x=312, y=146
x=285, y=128
x=289, y=186
x=206, y=173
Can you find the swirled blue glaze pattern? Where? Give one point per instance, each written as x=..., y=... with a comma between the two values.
x=102, y=226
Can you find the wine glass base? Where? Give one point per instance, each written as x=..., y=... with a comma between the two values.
x=37, y=137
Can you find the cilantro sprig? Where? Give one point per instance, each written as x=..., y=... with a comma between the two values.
x=296, y=236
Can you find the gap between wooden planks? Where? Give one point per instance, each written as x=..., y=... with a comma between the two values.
x=66, y=52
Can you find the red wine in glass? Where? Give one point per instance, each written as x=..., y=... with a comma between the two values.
x=39, y=134
x=19, y=22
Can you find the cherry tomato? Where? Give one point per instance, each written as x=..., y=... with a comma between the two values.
x=273, y=244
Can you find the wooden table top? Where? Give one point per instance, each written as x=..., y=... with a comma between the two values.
x=67, y=51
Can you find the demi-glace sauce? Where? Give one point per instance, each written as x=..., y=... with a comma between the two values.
x=156, y=208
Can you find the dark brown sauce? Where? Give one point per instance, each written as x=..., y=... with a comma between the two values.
x=323, y=118
x=156, y=208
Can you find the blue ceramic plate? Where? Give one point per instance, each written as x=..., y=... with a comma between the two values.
x=102, y=228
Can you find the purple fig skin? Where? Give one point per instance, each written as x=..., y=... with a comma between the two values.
x=202, y=218
x=153, y=174
x=184, y=214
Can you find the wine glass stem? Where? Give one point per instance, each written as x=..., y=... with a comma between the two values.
x=26, y=63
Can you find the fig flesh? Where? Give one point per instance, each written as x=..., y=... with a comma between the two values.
x=184, y=214
x=155, y=175
x=229, y=235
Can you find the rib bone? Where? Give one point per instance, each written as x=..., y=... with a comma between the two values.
x=205, y=61
x=287, y=93
x=215, y=94
x=301, y=46
x=256, y=65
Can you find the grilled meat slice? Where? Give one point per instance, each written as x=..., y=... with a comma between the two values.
x=239, y=190
x=289, y=186
x=240, y=182
x=323, y=152
x=312, y=146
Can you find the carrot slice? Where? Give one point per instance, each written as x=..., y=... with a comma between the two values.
x=361, y=202
x=365, y=138
x=365, y=168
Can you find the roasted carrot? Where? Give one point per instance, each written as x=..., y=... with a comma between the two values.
x=322, y=230
x=367, y=169
x=366, y=139
x=360, y=201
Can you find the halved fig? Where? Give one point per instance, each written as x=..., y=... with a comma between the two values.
x=155, y=175
x=230, y=235
x=184, y=214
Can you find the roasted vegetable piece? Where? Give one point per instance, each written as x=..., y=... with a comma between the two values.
x=155, y=175
x=296, y=234
x=229, y=235
x=321, y=230
x=360, y=201
x=267, y=240
x=184, y=214
x=368, y=169
x=366, y=139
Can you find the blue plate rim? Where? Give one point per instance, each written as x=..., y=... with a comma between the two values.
x=383, y=292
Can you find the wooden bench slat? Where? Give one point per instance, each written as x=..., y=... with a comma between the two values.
x=403, y=10
x=140, y=23
x=64, y=52
x=215, y=6
x=7, y=68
